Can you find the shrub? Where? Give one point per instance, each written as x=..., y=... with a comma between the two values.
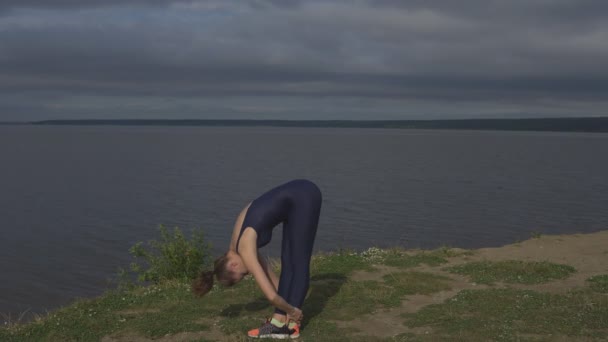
x=172, y=257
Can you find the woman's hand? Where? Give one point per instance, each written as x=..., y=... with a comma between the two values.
x=296, y=315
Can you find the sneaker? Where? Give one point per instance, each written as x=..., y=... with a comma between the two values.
x=295, y=331
x=269, y=330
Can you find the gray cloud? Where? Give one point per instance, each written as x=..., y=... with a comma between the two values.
x=78, y=4
x=526, y=53
x=71, y=4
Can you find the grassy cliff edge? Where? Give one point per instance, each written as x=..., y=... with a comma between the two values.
x=548, y=288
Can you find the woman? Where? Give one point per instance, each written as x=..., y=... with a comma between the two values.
x=296, y=204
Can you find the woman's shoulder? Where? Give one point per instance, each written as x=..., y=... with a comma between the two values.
x=247, y=243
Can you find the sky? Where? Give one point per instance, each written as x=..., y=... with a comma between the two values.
x=302, y=60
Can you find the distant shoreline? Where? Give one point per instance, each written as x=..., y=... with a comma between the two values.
x=12, y=123
x=584, y=124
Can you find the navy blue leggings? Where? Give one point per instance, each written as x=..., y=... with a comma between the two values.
x=299, y=232
x=297, y=204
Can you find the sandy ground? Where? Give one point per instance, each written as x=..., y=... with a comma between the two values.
x=588, y=253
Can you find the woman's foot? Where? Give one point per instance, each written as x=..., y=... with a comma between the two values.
x=269, y=330
x=294, y=328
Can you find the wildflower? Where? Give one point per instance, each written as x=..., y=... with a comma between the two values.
x=373, y=254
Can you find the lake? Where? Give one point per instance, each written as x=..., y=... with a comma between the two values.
x=73, y=199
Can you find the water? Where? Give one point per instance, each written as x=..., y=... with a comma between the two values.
x=74, y=199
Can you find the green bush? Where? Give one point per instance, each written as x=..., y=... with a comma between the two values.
x=172, y=257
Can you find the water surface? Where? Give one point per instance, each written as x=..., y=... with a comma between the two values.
x=73, y=199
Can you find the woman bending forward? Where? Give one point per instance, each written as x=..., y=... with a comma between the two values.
x=296, y=204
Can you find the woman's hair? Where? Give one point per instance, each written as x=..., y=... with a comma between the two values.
x=204, y=282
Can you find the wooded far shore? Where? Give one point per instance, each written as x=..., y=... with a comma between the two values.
x=583, y=124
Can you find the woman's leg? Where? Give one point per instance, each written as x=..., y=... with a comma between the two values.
x=298, y=239
x=287, y=267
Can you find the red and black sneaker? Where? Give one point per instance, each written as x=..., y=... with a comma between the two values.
x=295, y=330
x=269, y=330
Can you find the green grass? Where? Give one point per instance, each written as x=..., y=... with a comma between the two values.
x=169, y=307
x=356, y=298
x=512, y=271
x=398, y=257
x=536, y=235
x=166, y=308
x=342, y=262
x=514, y=315
x=599, y=283
x=402, y=260
x=335, y=298
x=409, y=283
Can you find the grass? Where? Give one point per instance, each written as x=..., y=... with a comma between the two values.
x=599, y=283
x=515, y=315
x=398, y=257
x=355, y=298
x=536, y=234
x=342, y=262
x=512, y=271
x=409, y=283
x=336, y=298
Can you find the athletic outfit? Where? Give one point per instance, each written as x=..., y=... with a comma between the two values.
x=297, y=204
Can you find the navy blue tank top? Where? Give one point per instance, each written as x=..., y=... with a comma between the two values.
x=270, y=209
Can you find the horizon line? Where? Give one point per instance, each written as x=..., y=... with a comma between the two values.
x=307, y=120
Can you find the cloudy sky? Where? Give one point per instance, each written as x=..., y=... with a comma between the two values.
x=292, y=59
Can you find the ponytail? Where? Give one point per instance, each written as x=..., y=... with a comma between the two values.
x=203, y=283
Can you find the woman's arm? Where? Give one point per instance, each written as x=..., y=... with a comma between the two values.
x=269, y=271
x=249, y=257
